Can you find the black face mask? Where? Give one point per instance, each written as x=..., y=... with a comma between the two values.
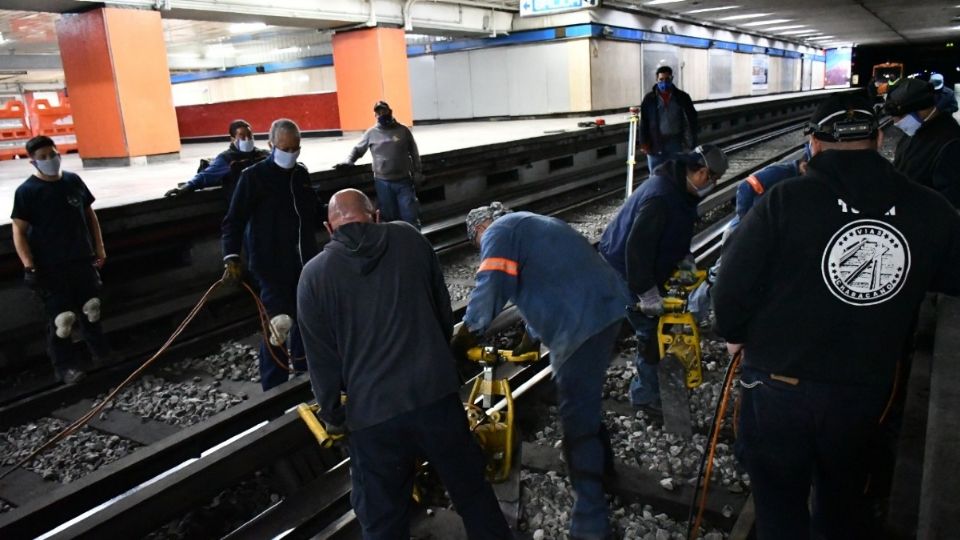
x=385, y=119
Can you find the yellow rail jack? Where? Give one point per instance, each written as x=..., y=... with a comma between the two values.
x=308, y=413
x=494, y=431
x=677, y=332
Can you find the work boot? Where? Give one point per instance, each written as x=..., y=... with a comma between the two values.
x=73, y=376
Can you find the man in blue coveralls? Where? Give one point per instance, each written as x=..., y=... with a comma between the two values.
x=575, y=302
x=273, y=215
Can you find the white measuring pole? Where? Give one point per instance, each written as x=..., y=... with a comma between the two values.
x=632, y=148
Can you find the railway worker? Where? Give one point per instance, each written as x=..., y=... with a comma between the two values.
x=575, y=303
x=649, y=238
x=930, y=151
x=819, y=289
x=57, y=237
x=396, y=166
x=395, y=366
x=668, y=121
x=225, y=169
x=944, y=97
x=272, y=215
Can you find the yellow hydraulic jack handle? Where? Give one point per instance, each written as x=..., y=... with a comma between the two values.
x=308, y=413
x=677, y=332
x=494, y=431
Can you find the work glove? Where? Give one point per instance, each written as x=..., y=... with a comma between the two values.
x=336, y=431
x=651, y=303
x=178, y=191
x=31, y=278
x=232, y=271
x=527, y=344
x=462, y=342
x=688, y=269
x=343, y=165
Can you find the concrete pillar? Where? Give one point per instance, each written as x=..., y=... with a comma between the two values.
x=115, y=64
x=371, y=65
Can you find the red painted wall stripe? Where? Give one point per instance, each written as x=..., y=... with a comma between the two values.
x=309, y=111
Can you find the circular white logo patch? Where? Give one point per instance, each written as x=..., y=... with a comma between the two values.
x=866, y=262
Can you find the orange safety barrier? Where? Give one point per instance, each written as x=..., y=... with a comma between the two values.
x=14, y=132
x=56, y=123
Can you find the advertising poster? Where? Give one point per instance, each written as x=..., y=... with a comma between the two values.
x=838, y=67
x=761, y=64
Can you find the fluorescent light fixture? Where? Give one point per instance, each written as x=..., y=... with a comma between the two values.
x=220, y=51
x=786, y=27
x=795, y=32
x=707, y=10
x=764, y=23
x=743, y=17
x=246, y=28
x=288, y=50
x=658, y=2
x=821, y=38
x=184, y=55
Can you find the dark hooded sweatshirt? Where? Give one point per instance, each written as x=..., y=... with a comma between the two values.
x=824, y=277
x=376, y=322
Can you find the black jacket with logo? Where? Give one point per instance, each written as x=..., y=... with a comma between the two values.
x=932, y=156
x=823, y=278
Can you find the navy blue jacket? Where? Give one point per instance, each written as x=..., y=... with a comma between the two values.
x=649, y=132
x=653, y=230
x=565, y=300
x=761, y=181
x=273, y=214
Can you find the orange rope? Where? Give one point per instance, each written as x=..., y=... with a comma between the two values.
x=83, y=420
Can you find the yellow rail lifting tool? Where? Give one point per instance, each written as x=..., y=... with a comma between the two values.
x=678, y=335
x=494, y=430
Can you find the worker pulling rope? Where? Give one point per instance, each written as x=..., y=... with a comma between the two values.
x=94, y=411
x=706, y=463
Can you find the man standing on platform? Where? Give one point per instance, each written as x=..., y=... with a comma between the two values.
x=575, y=302
x=376, y=319
x=273, y=215
x=668, y=121
x=57, y=237
x=396, y=166
x=225, y=169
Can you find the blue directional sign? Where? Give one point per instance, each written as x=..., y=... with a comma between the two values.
x=532, y=8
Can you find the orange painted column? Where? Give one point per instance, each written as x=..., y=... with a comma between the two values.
x=371, y=65
x=118, y=81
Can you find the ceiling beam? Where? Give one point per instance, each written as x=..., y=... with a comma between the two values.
x=30, y=61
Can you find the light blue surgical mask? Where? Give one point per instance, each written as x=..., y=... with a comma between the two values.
x=704, y=191
x=49, y=167
x=285, y=160
x=245, y=145
x=909, y=124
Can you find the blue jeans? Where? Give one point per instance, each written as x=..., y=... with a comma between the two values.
x=279, y=297
x=645, y=387
x=579, y=383
x=398, y=201
x=67, y=288
x=668, y=150
x=792, y=437
x=382, y=462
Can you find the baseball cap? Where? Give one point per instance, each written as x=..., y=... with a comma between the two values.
x=381, y=105
x=483, y=214
x=843, y=117
x=909, y=96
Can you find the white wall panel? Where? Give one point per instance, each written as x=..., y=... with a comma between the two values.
x=656, y=55
x=695, y=66
x=578, y=75
x=265, y=85
x=557, y=62
x=790, y=75
x=742, y=74
x=819, y=73
x=423, y=88
x=454, y=83
x=489, y=82
x=721, y=73
x=527, y=78
x=615, y=78
x=773, y=75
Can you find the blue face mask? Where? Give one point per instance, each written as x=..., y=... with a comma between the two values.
x=385, y=119
x=663, y=86
x=245, y=145
x=909, y=124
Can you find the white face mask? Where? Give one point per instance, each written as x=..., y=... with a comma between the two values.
x=285, y=160
x=49, y=167
x=701, y=192
x=245, y=145
x=909, y=124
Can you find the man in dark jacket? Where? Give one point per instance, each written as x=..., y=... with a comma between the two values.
x=668, y=121
x=575, y=303
x=272, y=214
x=944, y=97
x=225, y=169
x=929, y=153
x=648, y=239
x=396, y=166
x=376, y=319
x=820, y=286
x=57, y=236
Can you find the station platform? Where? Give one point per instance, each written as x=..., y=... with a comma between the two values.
x=118, y=186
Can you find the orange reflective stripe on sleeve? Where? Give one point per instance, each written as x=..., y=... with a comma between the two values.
x=498, y=264
x=755, y=184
